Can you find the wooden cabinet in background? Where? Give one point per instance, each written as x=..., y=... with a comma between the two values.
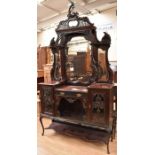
x=44, y=56
x=43, y=71
x=40, y=73
x=41, y=57
x=47, y=73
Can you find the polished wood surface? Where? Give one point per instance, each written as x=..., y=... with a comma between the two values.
x=53, y=143
x=101, y=86
x=67, y=88
x=52, y=83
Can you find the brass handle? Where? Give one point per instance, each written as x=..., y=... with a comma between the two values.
x=62, y=93
x=78, y=95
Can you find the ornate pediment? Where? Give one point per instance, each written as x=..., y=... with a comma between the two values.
x=74, y=21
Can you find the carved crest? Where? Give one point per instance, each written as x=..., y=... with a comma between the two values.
x=71, y=13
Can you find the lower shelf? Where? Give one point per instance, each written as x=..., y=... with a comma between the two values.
x=77, y=123
x=80, y=132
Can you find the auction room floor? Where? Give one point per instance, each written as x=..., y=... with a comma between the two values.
x=53, y=143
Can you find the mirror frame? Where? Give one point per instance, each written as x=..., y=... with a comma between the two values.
x=85, y=29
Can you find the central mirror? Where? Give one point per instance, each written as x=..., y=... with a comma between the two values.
x=78, y=64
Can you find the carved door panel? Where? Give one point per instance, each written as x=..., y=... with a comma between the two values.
x=100, y=107
x=47, y=102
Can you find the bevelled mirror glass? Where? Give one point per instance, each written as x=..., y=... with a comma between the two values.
x=78, y=64
x=103, y=71
x=57, y=71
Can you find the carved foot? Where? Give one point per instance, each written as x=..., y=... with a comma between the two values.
x=41, y=117
x=108, y=152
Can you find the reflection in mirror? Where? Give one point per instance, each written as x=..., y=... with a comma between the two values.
x=103, y=67
x=78, y=64
x=57, y=72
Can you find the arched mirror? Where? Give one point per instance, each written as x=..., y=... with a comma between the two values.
x=78, y=61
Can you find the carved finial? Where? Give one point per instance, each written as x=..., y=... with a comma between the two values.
x=71, y=7
x=71, y=12
x=52, y=42
x=106, y=40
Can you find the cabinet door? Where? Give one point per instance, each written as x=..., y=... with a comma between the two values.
x=100, y=107
x=47, y=102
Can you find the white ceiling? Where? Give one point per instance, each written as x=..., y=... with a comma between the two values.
x=51, y=11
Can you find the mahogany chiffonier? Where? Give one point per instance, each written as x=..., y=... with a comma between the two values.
x=81, y=90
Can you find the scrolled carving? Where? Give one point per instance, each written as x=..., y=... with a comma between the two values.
x=52, y=46
x=106, y=40
x=52, y=42
x=94, y=66
x=57, y=76
x=55, y=73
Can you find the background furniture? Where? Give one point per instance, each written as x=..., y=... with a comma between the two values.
x=47, y=73
x=44, y=64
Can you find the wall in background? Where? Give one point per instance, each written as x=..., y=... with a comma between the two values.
x=104, y=22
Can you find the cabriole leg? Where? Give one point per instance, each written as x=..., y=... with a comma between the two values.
x=41, y=117
x=108, y=152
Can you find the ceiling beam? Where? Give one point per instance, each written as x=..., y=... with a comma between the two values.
x=102, y=11
x=84, y=1
x=56, y=18
x=49, y=17
x=50, y=8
